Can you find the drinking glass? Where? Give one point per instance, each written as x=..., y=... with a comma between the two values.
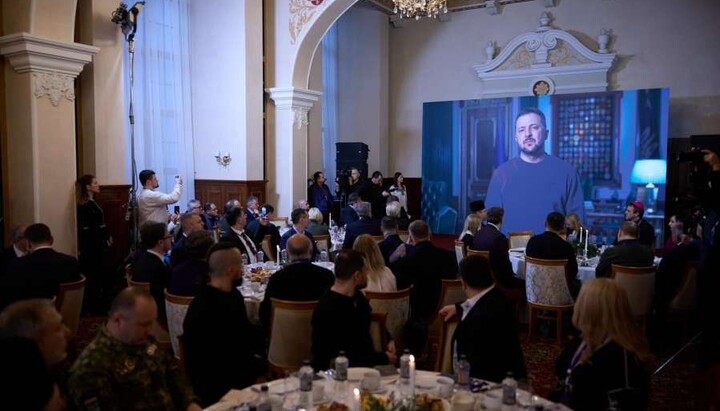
x=323, y=256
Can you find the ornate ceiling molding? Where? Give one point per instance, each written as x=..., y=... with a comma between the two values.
x=29, y=53
x=300, y=101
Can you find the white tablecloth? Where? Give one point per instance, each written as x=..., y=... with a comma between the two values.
x=518, y=264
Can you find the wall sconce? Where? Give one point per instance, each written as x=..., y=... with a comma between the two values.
x=223, y=160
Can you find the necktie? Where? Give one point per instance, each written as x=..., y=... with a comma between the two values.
x=250, y=246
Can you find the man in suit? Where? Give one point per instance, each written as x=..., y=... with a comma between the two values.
x=40, y=273
x=645, y=231
x=255, y=227
x=300, y=221
x=392, y=240
x=222, y=222
x=252, y=208
x=319, y=195
x=629, y=252
x=372, y=191
x=490, y=238
x=551, y=246
x=365, y=225
x=18, y=248
x=300, y=281
x=190, y=222
x=247, y=242
x=148, y=264
x=477, y=207
x=487, y=333
x=348, y=213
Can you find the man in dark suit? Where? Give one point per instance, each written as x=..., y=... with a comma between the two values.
x=40, y=273
x=17, y=249
x=365, y=225
x=490, y=238
x=252, y=208
x=550, y=245
x=248, y=243
x=189, y=223
x=300, y=281
x=372, y=191
x=646, y=232
x=629, y=252
x=222, y=221
x=392, y=241
x=256, y=227
x=300, y=221
x=487, y=333
x=148, y=264
x=348, y=213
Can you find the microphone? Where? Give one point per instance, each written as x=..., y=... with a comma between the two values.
x=127, y=18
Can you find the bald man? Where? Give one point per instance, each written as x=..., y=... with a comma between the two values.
x=300, y=281
x=222, y=349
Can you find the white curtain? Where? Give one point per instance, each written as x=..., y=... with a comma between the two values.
x=163, y=124
x=329, y=103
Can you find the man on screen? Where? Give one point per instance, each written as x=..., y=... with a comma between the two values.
x=535, y=183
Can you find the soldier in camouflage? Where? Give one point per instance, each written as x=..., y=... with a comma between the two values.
x=123, y=369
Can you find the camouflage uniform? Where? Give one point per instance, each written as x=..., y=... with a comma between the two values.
x=110, y=375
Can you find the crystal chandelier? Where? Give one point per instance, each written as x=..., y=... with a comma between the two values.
x=420, y=8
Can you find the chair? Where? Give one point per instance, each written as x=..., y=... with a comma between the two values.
x=546, y=289
x=323, y=243
x=128, y=274
x=519, y=239
x=396, y=305
x=451, y=292
x=290, y=333
x=685, y=298
x=378, y=238
x=280, y=222
x=378, y=331
x=484, y=253
x=138, y=284
x=444, y=360
x=176, y=307
x=516, y=295
x=268, y=249
x=404, y=235
x=459, y=250
x=639, y=283
x=69, y=303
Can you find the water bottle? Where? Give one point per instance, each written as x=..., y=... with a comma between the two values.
x=263, y=403
x=341, y=370
x=462, y=373
x=509, y=389
x=245, y=259
x=306, y=385
x=260, y=257
x=323, y=256
x=283, y=257
x=403, y=383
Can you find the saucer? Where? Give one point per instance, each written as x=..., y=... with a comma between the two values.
x=381, y=390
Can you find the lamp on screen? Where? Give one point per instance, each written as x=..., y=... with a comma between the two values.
x=649, y=172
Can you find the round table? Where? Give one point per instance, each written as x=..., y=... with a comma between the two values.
x=518, y=265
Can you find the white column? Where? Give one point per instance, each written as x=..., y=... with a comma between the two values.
x=288, y=177
x=41, y=159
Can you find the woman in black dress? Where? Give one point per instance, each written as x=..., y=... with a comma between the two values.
x=93, y=243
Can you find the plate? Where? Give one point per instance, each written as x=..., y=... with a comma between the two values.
x=357, y=373
x=426, y=382
x=381, y=390
x=280, y=387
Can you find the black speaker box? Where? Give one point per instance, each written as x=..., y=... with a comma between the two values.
x=351, y=151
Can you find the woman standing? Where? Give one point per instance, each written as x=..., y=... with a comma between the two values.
x=473, y=223
x=93, y=243
x=398, y=190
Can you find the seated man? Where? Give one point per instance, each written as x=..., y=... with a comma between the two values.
x=628, y=252
x=222, y=348
x=148, y=264
x=256, y=227
x=341, y=321
x=40, y=273
x=392, y=240
x=210, y=217
x=248, y=243
x=300, y=221
x=124, y=369
x=487, y=332
x=490, y=238
x=348, y=213
x=396, y=211
x=189, y=276
x=300, y=281
x=18, y=247
x=669, y=275
x=189, y=223
x=364, y=225
x=551, y=246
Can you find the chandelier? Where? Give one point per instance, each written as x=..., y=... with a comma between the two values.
x=420, y=8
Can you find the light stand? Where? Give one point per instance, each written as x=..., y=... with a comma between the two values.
x=127, y=19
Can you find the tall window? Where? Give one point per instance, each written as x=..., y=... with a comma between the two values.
x=163, y=132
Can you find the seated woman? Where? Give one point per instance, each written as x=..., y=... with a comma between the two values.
x=572, y=225
x=379, y=277
x=610, y=356
x=676, y=229
x=316, y=226
x=473, y=223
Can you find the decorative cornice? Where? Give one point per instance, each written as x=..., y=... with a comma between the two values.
x=29, y=53
x=300, y=101
x=55, y=86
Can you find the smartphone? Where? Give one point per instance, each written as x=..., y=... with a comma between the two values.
x=263, y=212
x=177, y=210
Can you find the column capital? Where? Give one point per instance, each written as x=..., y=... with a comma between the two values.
x=29, y=53
x=300, y=101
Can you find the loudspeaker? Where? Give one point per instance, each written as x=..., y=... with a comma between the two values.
x=351, y=151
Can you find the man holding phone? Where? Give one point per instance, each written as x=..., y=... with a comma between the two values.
x=152, y=205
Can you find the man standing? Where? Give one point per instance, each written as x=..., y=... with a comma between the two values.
x=491, y=239
x=319, y=195
x=628, y=252
x=547, y=182
x=222, y=348
x=486, y=312
x=152, y=205
x=551, y=246
x=123, y=368
x=646, y=233
x=354, y=182
x=300, y=221
x=300, y=281
x=244, y=240
x=341, y=321
x=372, y=191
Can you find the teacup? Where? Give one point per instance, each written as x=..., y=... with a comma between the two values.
x=463, y=401
x=371, y=380
x=493, y=400
x=444, y=387
x=318, y=390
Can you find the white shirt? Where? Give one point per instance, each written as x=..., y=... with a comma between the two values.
x=18, y=253
x=252, y=258
x=152, y=205
x=470, y=303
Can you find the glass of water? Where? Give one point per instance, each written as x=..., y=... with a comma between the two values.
x=323, y=256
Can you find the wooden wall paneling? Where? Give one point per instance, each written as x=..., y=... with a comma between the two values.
x=220, y=191
x=113, y=200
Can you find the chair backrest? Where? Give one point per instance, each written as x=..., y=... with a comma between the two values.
x=69, y=303
x=517, y=239
x=396, y=305
x=378, y=238
x=323, y=242
x=378, y=331
x=280, y=222
x=546, y=283
x=128, y=273
x=290, y=333
x=451, y=292
x=687, y=294
x=444, y=360
x=460, y=251
x=176, y=307
x=484, y=253
x=268, y=248
x=639, y=283
x=138, y=284
x=404, y=235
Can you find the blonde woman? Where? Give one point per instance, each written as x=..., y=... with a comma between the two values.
x=316, y=226
x=472, y=224
x=572, y=224
x=612, y=352
x=379, y=277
